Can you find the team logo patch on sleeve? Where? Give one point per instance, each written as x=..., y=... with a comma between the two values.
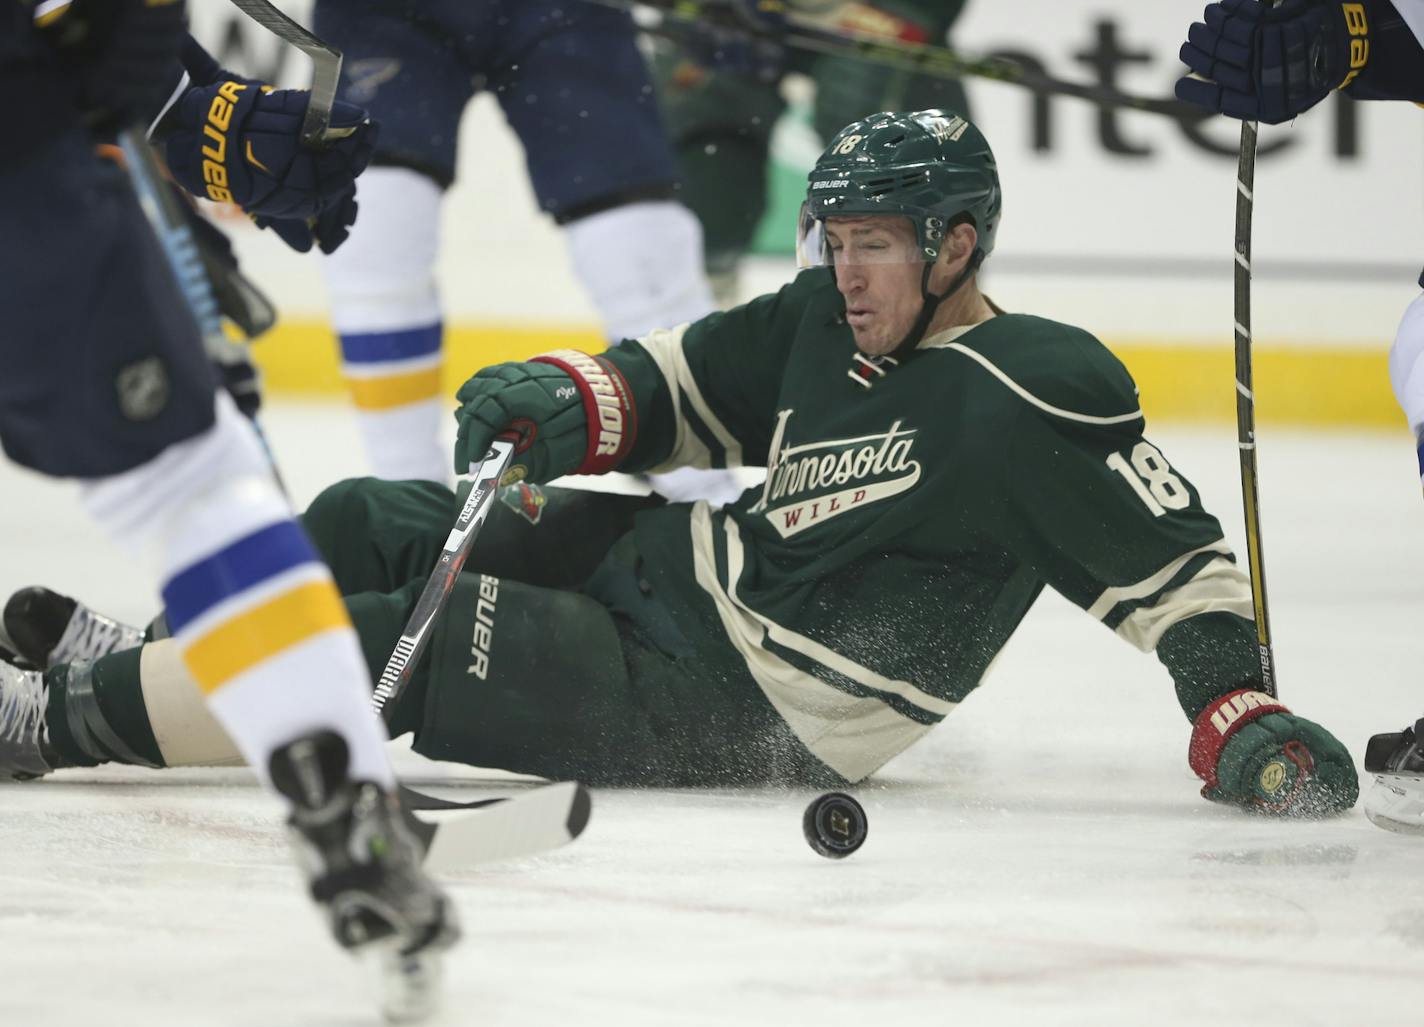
x=143, y=389
x=524, y=499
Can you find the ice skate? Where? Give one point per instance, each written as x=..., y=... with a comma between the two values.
x=22, y=708
x=1395, y=801
x=48, y=629
x=363, y=867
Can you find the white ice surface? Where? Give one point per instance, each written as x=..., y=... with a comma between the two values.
x=1043, y=857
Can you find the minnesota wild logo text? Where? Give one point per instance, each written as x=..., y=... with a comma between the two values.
x=815, y=481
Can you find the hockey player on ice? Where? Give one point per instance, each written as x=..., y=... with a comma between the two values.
x=574, y=89
x=721, y=94
x=932, y=464
x=106, y=381
x=1271, y=64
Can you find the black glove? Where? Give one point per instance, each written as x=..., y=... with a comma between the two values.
x=1271, y=63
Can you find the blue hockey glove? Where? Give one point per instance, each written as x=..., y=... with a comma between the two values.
x=328, y=229
x=1271, y=63
x=237, y=141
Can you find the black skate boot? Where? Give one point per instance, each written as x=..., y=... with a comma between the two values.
x=48, y=629
x=363, y=867
x=23, y=750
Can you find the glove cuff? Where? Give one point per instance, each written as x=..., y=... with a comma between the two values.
x=607, y=405
x=1221, y=719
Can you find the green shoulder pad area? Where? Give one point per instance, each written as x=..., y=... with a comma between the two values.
x=1063, y=371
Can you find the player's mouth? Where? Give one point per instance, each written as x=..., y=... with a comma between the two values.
x=859, y=317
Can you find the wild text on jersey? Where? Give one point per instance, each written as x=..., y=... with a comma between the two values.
x=813, y=482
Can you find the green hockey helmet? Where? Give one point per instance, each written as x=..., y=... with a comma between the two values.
x=933, y=167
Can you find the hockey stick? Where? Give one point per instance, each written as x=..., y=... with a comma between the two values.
x=468, y=834
x=326, y=69
x=170, y=224
x=657, y=16
x=1246, y=402
x=412, y=642
x=161, y=207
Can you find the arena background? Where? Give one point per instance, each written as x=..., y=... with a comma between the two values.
x=1120, y=223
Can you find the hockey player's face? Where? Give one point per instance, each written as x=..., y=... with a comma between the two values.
x=878, y=271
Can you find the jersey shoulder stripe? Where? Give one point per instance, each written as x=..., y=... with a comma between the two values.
x=1057, y=369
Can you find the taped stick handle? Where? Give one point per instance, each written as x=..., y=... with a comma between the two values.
x=411, y=645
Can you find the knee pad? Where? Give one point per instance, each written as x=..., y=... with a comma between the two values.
x=642, y=266
x=383, y=277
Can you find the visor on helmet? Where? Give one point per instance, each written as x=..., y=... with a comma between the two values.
x=856, y=239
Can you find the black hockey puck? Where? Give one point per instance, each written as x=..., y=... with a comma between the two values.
x=835, y=825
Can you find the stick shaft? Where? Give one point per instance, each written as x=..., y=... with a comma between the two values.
x=1246, y=403
x=921, y=58
x=406, y=655
x=326, y=66
x=170, y=225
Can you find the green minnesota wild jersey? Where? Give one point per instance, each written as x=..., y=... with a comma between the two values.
x=905, y=529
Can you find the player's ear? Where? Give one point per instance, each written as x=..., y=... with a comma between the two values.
x=959, y=243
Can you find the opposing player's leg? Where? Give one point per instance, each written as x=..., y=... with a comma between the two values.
x=1406, y=370
x=405, y=64
x=111, y=386
x=1395, y=799
x=720, y=119
x=602, y=167
x=387, y=313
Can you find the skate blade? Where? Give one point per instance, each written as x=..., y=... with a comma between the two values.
x=1396, y=803
x=410, y=983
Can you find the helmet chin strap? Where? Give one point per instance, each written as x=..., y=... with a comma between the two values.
x=931, y=303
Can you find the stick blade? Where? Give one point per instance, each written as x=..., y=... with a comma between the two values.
x=545, y=818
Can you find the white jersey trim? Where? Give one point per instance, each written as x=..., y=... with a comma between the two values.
x=945, y=341
x=184, y=81
x=815, y=650
x=665, y=347
x=1220, y=587
x=853, y=736
x=1110, y=597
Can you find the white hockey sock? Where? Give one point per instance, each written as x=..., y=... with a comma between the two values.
x=254, y=612
x=1406, y=371
x=642, y=266
x=387, y=313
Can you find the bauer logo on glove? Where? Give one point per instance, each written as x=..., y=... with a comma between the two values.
x=240, y=141
x=215, y=131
